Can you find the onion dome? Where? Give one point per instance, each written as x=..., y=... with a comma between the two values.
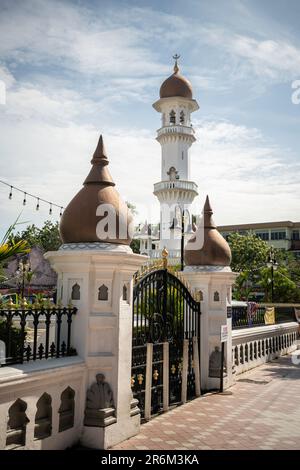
x=176, y=85
x=81, y=220
x=214, y=251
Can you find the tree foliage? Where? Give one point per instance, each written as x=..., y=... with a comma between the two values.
x=249, y=258
x=47, y=237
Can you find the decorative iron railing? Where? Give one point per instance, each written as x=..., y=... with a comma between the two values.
x=243, y=318
x=31, y=332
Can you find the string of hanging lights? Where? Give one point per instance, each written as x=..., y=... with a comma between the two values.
x=33, y=196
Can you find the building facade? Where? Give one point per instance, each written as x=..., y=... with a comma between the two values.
x=283, y=235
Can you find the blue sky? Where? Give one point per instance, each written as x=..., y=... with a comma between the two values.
x=74, y=69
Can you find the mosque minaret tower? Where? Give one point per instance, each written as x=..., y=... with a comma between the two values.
x=175, y=191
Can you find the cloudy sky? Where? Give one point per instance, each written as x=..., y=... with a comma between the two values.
x=75, y=69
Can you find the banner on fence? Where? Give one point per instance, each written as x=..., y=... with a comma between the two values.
x=270, y=316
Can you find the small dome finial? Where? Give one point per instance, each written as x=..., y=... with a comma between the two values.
x=207, y=247
x=176, y=68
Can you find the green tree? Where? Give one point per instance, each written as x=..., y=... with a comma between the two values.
x=135, y=245
x=285, y=289
x=249, y=258
x=47, y=237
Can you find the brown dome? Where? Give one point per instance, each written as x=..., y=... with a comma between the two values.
x=215, y=250
x=176, y=85
x=79, y=220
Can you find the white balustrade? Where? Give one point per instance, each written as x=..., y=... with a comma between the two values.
x=252, y=347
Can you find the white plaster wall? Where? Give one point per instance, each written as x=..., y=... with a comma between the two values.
x=173, y=149
x=29, y=382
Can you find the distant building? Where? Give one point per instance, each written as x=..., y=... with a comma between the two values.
x=284, y=235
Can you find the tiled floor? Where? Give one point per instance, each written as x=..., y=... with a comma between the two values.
x=263, y=412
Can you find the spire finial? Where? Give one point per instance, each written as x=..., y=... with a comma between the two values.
x=100, y=152
x=99, y=172
x=207, y=213
x=176, y=68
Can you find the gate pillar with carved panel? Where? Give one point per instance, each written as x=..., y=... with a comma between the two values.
x=207, y=270
x=97, y=275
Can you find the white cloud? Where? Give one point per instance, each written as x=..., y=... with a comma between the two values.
x=6, y=76
x=270, y=58
x=51, y=123
x=74, y=37
x=249, y=179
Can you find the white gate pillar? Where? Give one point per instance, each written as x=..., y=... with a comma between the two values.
x=102, y=327
x=95, y=267
x=207, y=258
x=213, y=285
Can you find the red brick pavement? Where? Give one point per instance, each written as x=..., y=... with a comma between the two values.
x=263, y=412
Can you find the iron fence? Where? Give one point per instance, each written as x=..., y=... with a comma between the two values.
x=242, y=318
x=35, y=333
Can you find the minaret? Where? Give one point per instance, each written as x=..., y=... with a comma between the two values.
x=175, y=191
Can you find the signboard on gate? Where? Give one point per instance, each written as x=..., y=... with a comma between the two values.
x=224, y=333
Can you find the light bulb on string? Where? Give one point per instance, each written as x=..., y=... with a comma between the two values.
x=38, y=204
x=24, y=200
x=10, y=193
x=50, y=210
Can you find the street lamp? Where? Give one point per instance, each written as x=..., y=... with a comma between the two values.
x=272, y=263
x=22, y=272
x=183, y=213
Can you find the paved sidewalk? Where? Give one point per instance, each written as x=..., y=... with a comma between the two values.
x=263, y=412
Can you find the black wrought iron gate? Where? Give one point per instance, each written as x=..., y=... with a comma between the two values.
x=164, y=310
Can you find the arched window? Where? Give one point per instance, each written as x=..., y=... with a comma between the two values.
x=182, y=117
x=16, y=425
x=75, y=292
x=125, y=293
x=216, y=297
x=43, y=417
x=103, y=292
x=66, y=410
x=172, y=117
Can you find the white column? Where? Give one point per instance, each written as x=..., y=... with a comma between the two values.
x=102, y=327
x=215, y=284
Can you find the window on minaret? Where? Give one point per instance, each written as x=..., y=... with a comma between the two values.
x=172, y=117
x=182, y=116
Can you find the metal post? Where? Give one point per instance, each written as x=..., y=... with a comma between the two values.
x=182, y=241
x=184, y=371
x=222, y=367
x=148, y=382
x=272, y=283
x=165, y=376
